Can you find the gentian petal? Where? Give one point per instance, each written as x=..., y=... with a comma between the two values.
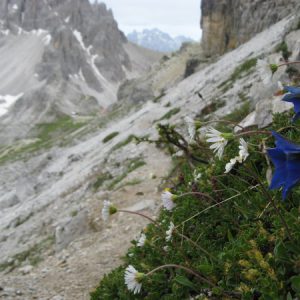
x=284, y=144
x=296, y=117
x=286, y=158
x=292, y=89
x=291, y=97
x=293, y=172
x=279, y=160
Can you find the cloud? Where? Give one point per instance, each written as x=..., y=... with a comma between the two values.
x=176, y=17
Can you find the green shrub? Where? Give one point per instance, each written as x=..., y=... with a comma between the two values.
x=240, y=71
x=247, y=254
x=283, y=48
x=110, y=137
x=169, y=114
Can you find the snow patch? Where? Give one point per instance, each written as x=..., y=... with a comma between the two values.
x=15, y=7
x=47, y=39
x=79, y=38
x=81, y=75
x=67, y=20
x=7, y=101
x=5, y=32
x=39, y=32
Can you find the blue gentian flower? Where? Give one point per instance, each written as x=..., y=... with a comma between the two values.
x=293, y=96
x=286, y=158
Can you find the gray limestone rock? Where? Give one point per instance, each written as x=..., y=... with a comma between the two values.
x=71, y=229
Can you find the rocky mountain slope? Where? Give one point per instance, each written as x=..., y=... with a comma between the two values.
x=228, y=24
x=72, y=55
x=157, y=40
x=53, y=242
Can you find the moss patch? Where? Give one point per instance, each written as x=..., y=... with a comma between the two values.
x=110, y=137
x=169, y=114
x=48, y=134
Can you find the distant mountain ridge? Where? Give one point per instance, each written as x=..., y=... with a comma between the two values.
x=157, y=40
x=73, y=55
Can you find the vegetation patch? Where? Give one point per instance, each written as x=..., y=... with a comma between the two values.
x=228, y=240
x=110, y=137
x=124, y=143
x=130, y=166
x=32, y=256
x=169, y=114
x=283, y=48
x=132, y=182
x=240, y=113
x=158, y=98
x=48, y=134
x=101, y=179
x=243, y=70
x=211, y=108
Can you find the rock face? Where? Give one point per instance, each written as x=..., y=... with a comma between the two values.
x=68, y=50
x=227, y=24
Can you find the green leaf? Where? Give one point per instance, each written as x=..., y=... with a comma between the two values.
x=229, y=236
x=205, y=269
x=185, y=282
x=289, y=296
x=296, y=283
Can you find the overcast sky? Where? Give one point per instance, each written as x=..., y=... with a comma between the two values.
x=176, y=17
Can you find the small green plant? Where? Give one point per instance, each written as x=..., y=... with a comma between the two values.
x=32, y=256
x=74, y=213
x=283, y=48
x=131, y=166
x=240, y=113
x=132, y=182
x=22, y=220
x=238, y=73
x=110, y=137
x=47, y=135
x=169, y=114
x=100, y=180
x=158, y=98
x=123, y=143
x=211, y=108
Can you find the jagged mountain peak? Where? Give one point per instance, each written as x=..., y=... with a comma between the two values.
x=157, y=40
x=72, y=50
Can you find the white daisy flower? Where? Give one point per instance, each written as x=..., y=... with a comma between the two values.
x=243, y=153
x=191, y=127
x=218, y=139
x=142, y=240
x=230, y=165
x=169, y=232
x=197, y=175
x=166, y=248
x=133, y=279
x=167, y=199
x=107, y=210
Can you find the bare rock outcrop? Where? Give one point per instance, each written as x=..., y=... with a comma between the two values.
x=227, y=24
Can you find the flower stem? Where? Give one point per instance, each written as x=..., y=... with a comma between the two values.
x=223, y=121
x=138, y=214
x=196, y=245
x=289, y=63
x=219, y=203
x=188, y=270
x=267, y=194
x=197, y=193
x=252, y=132
x=278, y=213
